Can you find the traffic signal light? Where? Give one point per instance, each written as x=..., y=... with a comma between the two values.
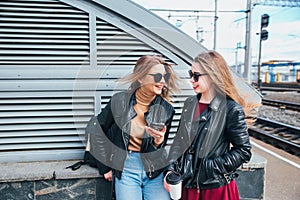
x=264, y=20
x=264, y=23
x=264, y=34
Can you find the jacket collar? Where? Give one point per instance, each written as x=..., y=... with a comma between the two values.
x=217, y=101
x=133, y=101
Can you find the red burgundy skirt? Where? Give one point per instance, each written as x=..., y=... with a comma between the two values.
x=226, y=192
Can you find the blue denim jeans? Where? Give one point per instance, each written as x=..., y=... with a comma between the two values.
x=135, y=184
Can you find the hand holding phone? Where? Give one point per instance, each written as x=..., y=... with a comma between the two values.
x=157, y=133
x=157, y=126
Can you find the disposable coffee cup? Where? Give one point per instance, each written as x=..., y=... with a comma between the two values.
x=175, y=183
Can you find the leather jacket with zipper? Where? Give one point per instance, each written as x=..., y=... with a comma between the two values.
x=222, y=142
x=114, y=120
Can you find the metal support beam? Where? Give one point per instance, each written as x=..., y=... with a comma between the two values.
x=215, y=24
x=248, y=63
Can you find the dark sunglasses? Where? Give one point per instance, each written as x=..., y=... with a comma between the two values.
x=195, y=75
x=158, y=77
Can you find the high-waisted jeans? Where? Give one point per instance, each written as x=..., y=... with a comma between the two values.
x=135, y=184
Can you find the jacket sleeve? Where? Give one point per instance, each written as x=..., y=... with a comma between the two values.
x=181, y=140
x=152, y=147
x=105, y=118
x=159, y=154
x=100, y=140
x=237, y=135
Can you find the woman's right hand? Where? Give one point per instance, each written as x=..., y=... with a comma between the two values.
x=158, y=136
x=108, y=176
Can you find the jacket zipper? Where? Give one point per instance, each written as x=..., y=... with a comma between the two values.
x=150, y=167
x=128, y=121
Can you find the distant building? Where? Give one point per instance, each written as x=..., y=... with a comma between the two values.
x=277, y=71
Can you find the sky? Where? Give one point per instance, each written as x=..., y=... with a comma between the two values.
x=284, y=27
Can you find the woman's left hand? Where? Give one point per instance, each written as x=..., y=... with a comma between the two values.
x=158, y=136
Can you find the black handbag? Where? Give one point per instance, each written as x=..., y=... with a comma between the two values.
x=185, y=165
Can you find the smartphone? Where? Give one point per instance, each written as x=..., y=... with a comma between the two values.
x=157, y=126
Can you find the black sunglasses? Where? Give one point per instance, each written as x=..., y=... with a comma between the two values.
x=158, y=77
x=195, y=75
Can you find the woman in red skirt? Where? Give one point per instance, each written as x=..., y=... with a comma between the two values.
x=212, y=131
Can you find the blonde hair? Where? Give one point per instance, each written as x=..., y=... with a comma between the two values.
x=141, y=69
x=215, y=65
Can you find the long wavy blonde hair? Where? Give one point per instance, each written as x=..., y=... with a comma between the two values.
x=215, y=65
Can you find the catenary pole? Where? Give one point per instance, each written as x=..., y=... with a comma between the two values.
x=248, y=55
x=215, y=24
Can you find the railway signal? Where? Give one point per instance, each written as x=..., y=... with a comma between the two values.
x=264, y=24
x=264, y=34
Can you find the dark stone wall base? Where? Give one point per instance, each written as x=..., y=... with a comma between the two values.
x=75, y=189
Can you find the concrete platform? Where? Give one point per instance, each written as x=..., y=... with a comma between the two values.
x=51, y=180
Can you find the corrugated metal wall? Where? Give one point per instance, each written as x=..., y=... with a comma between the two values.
x=58, y=66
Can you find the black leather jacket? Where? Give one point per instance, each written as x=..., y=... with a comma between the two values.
x=111, y=144
x=222, y=141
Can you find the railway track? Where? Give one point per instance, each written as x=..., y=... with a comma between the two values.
x=280, y=135
x=281, y=104
x=280, y=87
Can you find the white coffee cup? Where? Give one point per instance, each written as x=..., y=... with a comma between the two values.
x=174, y=181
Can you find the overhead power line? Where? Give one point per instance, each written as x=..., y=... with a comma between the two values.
x=193, y=11
x=281, y=3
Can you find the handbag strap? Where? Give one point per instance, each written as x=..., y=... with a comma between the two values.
x=193, y=142
x=191, y=148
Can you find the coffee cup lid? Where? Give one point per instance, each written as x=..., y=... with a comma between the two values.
x=173, y=178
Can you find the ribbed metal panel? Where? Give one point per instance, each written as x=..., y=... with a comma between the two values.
x=50, y=85
x=43, y=123
x=40, y=42
x=42, y=32
x=115, y=47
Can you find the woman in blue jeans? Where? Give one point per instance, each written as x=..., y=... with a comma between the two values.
x=137, y=122
x=135, y=184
